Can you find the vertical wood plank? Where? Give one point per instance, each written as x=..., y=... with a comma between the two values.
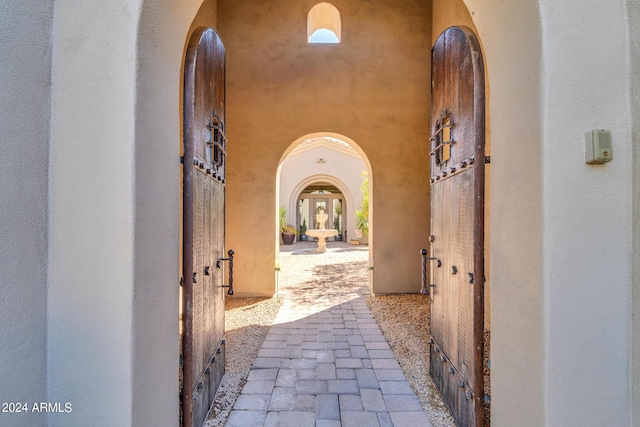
x=457, y=206
x=203, y=229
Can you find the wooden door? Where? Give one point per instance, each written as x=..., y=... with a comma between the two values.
x=203, y=225
x=457, y=223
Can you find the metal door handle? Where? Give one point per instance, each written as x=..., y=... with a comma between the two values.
x=218, y=265
x=424, y=254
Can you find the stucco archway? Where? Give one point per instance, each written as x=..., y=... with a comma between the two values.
x=292, y=199
x=533, y=235
x=333, y=135
x=163, y=31
x=114, y=227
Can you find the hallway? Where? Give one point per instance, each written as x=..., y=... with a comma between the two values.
x=325, y=361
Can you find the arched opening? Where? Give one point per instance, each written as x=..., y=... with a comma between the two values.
x=324, y=169
x=539, y=199
x=165, y=158
x=338, y=195
x=517, y=237
x=324, y=24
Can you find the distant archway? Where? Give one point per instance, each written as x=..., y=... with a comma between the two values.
x=339, y=184
x=342, y=144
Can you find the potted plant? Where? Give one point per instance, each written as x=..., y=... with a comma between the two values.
x=287, y=231
x=303, y=231
x=362, y=222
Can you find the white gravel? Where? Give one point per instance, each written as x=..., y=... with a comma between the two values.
x=405, y=322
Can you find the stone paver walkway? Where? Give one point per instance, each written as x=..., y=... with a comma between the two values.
x=325, y=361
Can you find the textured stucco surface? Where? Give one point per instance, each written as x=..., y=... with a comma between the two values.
x=587, y=215
x=113, y=278
x=373, y=88
x=25, y=95
x=633, y=9
x=91, y=213
x=158, y=142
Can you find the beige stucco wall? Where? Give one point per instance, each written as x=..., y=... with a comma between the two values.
x=163, y=31
x=91, y=209
x=25, y=121
x=634, y=49
x=587, y=264
x=372, y=88
x=114, y=218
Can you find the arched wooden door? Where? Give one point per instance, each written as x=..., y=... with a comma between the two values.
x=203, y=226
x=457, y=223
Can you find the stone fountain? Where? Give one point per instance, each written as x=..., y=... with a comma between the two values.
x=322, y=233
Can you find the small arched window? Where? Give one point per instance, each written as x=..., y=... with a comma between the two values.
x=323, y=24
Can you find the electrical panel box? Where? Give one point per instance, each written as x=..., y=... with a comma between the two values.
x=599, y=148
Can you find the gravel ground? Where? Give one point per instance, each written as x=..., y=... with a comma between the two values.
x=404, y=320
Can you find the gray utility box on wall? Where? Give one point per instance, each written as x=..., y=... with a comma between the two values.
x=598, y=148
